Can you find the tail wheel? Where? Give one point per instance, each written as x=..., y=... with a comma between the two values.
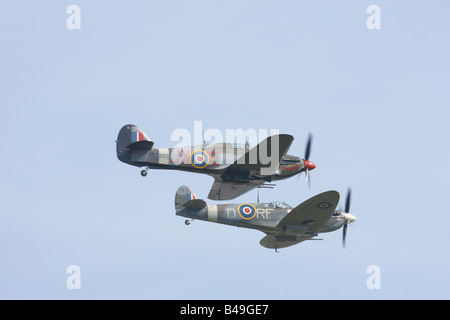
x=144, y=172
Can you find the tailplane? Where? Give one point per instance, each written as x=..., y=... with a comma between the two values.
x=186, y=199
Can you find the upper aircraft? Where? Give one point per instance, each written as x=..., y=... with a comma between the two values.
x=236, y=168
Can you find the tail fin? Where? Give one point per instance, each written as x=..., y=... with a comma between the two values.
x=185, y=198
x=131, y=138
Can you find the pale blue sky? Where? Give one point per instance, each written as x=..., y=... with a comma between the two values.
x=377, y=102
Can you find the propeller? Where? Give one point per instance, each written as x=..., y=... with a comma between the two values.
x=349, y=218
x=308, y=164
x=308, y=146
x=347, y=201
x=344, y=235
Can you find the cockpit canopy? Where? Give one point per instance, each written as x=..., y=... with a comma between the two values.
x=246, y=146
x=290, y=160
x=278, y=204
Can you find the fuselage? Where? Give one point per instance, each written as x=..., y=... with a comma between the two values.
x=260, y=216
x=212, y=160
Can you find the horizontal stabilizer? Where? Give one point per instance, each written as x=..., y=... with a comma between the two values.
x=196, y=204
x=141, y=145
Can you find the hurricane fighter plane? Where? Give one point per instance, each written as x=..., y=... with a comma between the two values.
x=283, y=225
x=236, y=169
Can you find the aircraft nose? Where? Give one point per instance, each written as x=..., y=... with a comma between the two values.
x=309, y=165
x=349, y=217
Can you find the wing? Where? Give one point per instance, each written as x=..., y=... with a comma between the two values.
x=264, y=159
x=229, y=190
x=314, y=212
x=303, y=222
x=267, y=155
x=281, y=241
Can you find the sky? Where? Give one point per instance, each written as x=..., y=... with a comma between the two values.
x=375, y=100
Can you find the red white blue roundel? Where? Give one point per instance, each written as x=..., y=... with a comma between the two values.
x=199, y=159
x=247, y=211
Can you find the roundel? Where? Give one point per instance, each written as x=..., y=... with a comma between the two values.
x=247, y=211
x=323, y=205
x=199, y=159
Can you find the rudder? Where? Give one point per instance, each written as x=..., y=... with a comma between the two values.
x=183, y=195
x=130, y=138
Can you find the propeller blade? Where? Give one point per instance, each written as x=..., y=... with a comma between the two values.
x=347, y=202
x=344, y=235
x=308, y=179
x=308, y=147
x=349, y=218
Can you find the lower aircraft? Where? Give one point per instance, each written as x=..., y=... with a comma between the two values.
x=283, y=225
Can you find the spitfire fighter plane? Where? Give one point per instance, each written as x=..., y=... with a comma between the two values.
x=283, y=225
x=236, y=169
